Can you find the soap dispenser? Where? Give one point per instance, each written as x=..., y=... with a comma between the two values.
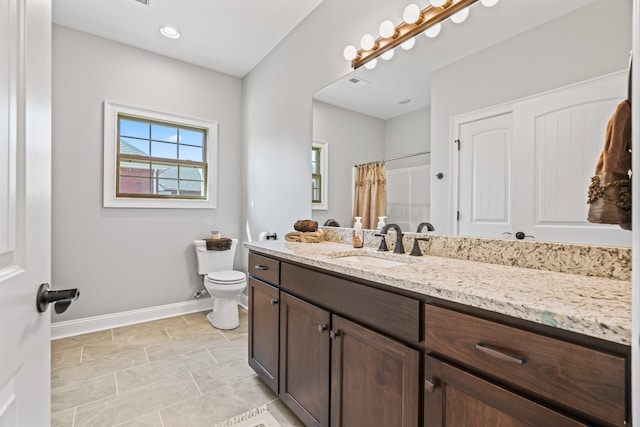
x=381, y=223
x=358, y=234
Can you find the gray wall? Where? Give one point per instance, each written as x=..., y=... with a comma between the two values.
x=593, y=41
x=408, y=134
x=278, y=113
x=352, y=138
x=124, y=259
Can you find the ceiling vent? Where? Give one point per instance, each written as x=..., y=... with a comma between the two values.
x=358, y=81
x=144, y=2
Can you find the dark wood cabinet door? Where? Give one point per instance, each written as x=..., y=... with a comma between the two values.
x=264, y=315
x=456, y=398
x=374, y=380
x=304, y=359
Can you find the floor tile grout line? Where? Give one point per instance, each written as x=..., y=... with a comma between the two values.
x=115, y=377
x=75, y=410
x=196, y=383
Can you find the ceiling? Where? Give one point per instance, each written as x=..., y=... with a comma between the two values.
x=230, y=36
x=377, y=92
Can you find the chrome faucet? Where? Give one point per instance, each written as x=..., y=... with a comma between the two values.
x=425, y=224
x=399, y=247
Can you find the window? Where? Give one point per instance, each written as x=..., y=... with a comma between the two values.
x=319, y=175
x=157, y=160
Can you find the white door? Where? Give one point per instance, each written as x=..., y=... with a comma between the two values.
x=560, y=135
x=25, y=216
x=484, y=203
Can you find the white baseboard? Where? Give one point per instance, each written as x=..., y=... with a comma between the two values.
x=86, y=325
x=243, y=301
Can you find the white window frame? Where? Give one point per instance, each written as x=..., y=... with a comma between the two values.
x=324, y=159
x=110, y=200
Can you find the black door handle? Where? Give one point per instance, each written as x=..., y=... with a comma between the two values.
x=62, y=298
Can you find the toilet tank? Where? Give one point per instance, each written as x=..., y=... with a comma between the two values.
x=210, y=261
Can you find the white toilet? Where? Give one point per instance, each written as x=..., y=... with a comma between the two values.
x=222, y=282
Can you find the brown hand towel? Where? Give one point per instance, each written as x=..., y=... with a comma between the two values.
x=305, y=225
x=610, y=189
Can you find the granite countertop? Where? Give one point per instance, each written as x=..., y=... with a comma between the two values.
x=591, y=306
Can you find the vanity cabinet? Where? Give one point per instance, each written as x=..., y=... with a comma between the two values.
x=305, y=351
x=572, y=378
x=374, y=379
x=335, y=367
x=264, y=318
x=343, y=352
x=456, y=398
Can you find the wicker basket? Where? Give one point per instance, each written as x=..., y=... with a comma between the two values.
x=222, y=244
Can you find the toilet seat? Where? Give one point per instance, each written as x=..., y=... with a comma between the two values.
x=226, y=277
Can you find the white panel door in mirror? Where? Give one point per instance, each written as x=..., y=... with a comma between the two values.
x=560, y=137
x=485, y=177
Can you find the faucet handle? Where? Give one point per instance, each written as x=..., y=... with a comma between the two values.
x=416, y=251
x=383, y=243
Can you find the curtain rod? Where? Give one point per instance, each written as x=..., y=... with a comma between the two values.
x=422, y=153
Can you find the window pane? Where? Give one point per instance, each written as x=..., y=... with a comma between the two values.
x=192, y=173
x=164, y=133
x=134, y=128
x=195, y=154
x=315, y=190
x=161, y=170
x=191, y=188
x=165, y=186
x=164, y=150
x=134, y=185
x=138, y=147
x=134, y=168
x=192, y=137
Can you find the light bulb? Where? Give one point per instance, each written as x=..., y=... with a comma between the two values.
x=371, y=64
x=387, y=29
x=388, y=55
x=350, y=53
x=489, y=3
x=367, y=42
x=411, y=14
x=408, y=44
x=169, y=32
x=438, y=3
x=460, y=17
x=433, y=31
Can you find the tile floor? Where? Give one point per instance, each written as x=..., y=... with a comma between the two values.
x=178, y=371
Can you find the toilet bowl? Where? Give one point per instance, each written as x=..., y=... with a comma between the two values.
x=222, y=282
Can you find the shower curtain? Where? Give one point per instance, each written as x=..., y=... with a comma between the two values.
x=371, y=193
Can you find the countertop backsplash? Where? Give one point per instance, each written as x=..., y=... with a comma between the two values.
x=597, y=261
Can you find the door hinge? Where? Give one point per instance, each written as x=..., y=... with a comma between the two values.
x=458, y=216
x=457, y=141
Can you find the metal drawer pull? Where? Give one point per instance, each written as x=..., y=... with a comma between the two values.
x=334, y=334
x=261, y=267
x=274, y=301
x=322, y=327
x=430, y=385
x=500, y=354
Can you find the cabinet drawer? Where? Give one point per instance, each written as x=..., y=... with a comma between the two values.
x=263, y=268
x=394, y=314
x=589, y=381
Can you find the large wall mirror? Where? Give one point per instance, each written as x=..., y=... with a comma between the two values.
x=408, y=111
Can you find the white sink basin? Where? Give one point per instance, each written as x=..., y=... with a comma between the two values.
x=370, y=261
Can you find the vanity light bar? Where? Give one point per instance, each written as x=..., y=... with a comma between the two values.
x=429, y=17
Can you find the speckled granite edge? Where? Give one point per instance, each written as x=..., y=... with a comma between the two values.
x=608, y=262
x=593, y=306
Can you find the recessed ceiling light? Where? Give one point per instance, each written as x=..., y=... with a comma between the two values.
x=169, y=32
